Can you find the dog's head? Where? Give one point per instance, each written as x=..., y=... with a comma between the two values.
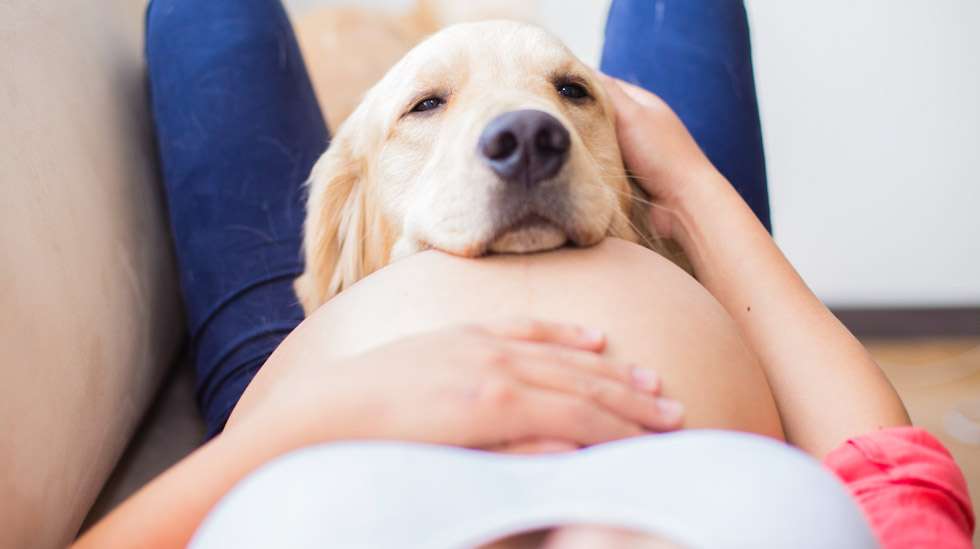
x=487, y=137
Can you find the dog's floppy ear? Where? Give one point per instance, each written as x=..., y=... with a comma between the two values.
x=345, y=236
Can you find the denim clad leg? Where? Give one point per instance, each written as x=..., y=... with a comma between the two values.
x=238, y=130
x=696, y=55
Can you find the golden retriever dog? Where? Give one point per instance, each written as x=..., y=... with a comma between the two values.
x=487, y=137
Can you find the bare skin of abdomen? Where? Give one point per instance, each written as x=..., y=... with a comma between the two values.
x=654, y=315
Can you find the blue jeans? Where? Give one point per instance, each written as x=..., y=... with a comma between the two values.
x=238, y=130
x=696, y=55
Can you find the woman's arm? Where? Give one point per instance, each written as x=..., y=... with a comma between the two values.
x=511, y=385
x=826, y=385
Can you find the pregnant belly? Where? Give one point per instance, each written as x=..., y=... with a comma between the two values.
x=653, y=313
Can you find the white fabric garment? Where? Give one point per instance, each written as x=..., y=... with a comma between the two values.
x=712, y=489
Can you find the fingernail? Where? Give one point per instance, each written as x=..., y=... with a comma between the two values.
x=645, y=378
x=670, y=410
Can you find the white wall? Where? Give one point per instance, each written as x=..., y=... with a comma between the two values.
x=871, y=115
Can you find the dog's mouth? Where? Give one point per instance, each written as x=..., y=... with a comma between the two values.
x=531, y=233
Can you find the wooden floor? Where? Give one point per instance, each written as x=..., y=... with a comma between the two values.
x=936, y=377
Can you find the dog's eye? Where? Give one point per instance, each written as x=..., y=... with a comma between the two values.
x=572, y=90
x=428, y=104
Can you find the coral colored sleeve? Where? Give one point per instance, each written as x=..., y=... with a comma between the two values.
x=912, y=492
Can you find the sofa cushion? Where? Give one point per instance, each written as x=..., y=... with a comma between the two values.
x=172, y=428
x=91, y=314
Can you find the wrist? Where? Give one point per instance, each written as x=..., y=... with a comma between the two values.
x=706, y=211
x=291, y=416
x=698, y=195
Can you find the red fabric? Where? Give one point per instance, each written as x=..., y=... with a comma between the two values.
x=909, y=487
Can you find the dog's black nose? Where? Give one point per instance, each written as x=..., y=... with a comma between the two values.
x=525, y=146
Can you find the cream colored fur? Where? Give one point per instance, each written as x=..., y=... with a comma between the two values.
x=395, y=182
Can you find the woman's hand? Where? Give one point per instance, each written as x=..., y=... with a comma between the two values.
x=660, y=154
x=808, y=356
x=508, y=386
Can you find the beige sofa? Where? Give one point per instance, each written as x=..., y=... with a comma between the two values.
x=91, y=325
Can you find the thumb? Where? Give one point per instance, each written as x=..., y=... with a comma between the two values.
x=625, y=104
x=639, y=95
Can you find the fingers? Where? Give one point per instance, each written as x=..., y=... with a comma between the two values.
x=626, y=105
x=640, y=95
x=627, y=93
x=556, y=385
x=555, y=415
x=634, y=126
x=644, y=379
x=539, y=331
x=624, y=399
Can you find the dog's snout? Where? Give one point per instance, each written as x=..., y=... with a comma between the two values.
x=525, y=146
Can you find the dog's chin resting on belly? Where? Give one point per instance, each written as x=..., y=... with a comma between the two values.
x=486, y=138
x=535, y=235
